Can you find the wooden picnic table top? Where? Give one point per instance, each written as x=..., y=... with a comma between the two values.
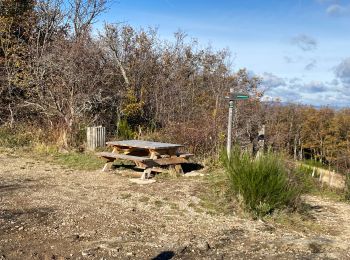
x=144, y=144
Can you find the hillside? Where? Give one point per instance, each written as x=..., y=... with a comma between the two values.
x=53, y=212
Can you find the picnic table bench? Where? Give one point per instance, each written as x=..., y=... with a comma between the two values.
x=147, y=155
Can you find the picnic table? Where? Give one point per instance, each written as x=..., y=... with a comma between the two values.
x=147, y=155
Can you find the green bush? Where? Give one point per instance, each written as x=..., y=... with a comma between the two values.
x=12, y=138
x=262, y=184
x=124, y=130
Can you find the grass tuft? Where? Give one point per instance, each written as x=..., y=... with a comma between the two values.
x=261, y=185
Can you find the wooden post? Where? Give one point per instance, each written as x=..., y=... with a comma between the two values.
x=96, y=137
x=321, y=176
x=229, y=127
x=331, y=180
x=261, y=141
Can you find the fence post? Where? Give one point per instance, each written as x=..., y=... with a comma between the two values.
x=96, y=137
x=261, y=141
x=229, y=126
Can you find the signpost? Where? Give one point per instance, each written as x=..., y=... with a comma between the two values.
x=232, y=98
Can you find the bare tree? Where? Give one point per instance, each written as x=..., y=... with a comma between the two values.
x=83, y=14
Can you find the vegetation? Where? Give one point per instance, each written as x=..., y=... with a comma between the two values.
x=79, y=161
x=262, y=184
x=347, y=187
x=57, y=77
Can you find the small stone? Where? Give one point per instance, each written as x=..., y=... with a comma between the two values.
x=85, y=253
x=119, y=239
x=129, y=254
x=20, y=228
x=193, y=174
x=204, y=246
x=142, y=182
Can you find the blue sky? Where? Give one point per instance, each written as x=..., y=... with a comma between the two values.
x=301, y=48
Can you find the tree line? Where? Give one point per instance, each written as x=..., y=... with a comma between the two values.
x=58, y=75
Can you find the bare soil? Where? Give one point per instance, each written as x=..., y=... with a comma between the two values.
x=51, y=212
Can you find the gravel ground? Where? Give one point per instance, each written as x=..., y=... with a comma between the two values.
x=51, y=212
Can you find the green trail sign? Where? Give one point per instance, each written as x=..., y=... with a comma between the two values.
x=237, y=96
x=232, y=98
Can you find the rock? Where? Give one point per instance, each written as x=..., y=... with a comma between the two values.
x=193, y=174
x=118, y=239
x=76, y=237
x=141, y=181
x=20, y=228
x=87, y=252
x=204, y=246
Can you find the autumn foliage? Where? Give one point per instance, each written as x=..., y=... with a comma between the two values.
x=58, y=75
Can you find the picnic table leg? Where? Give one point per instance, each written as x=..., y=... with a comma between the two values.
x=146, y=174
x=178, y=169
x=106, y=167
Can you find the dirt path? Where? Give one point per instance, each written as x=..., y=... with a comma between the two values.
x=49, y=212
x=331, y=178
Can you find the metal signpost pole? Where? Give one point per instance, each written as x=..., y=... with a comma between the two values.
x=232, y=98
x=230, y=121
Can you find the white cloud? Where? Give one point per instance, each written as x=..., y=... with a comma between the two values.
x=311, y=65
x=304, y=42
x=317, y=93
x=337, y=10
x=270, y=80
x=342, y=71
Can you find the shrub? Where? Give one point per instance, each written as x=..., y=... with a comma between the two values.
x=124, y=130
x=12, y=138
x=261, y=184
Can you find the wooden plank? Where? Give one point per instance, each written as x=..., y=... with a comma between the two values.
x=107, y=155
x=144, y=144
x=157, y=169
x=170, y=161
x=133, y=158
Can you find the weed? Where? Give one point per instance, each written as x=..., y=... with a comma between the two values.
x=330, y=193
x=159, y=203
x=144, y=199
x=261, y=184
x=124, y=196
x=167, y=174
x=174, y=206
x=296, y=221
